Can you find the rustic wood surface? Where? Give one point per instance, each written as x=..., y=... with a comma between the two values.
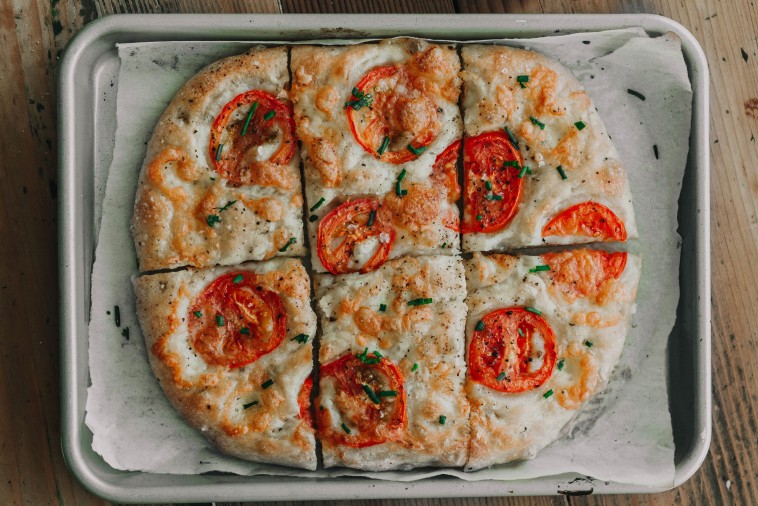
x=32, y=36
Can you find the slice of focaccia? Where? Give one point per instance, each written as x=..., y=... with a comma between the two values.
x=231, y=348
x=539, y=166
x=391, y=366
x=221, y=182
x=543, y=335
x=380, y=130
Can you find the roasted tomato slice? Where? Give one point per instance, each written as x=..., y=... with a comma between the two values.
x=235, y=320
x=388, y=111
x=584, y=272
x=344, y=228
x=491, y=186
x=252, y=130
x=444, y=173
x=363, y=421
x=304, y=401
x=513, y=352
x=588, y=219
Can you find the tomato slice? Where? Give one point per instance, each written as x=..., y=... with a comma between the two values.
x=491, y=186
x=235, y=321
x=234, y=155
x=397, y=109
x=582, y=273
x=369, y=423
x=444, y=173
x=304, y=401
x=588, y=219
x=348, y=225
x=502, y=353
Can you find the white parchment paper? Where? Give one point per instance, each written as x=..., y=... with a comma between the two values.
x=623, y=435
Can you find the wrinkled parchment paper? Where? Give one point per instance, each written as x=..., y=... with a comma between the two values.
x=623, y=435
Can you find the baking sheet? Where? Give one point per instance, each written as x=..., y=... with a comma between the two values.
x=134, y=428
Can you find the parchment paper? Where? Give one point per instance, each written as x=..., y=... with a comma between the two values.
x=624, y=435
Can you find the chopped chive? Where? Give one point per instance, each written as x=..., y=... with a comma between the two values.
x=312, y=218
x=540, y=268
x=219, y=149
x=363, y=357
x=520, y=332
x=371, y=394
x=226, y=206
x=537, y=122
x=238, y=279
x=269, y=115
x=300, y=338
x=479, y=217
x=399, y=189
x=511, y=163
x=404, y=192
x=511, y=137
x=533, y=310
x=198, y=314
x=346, y=428
x=219, y=320
x=420, y=302
x=560, y=364
x=377, y=354
x=244, y=330
x=443, y=419
x=387, y=393
x=522, y=79
x=579, y=125
x=561, y=172
x=416, y=151
x=357, y=93
x=250, y=113
x=289, y=243
x=371, y=218
x=500, y=377
x=636, y=94
x=444, y=245
x=588, y=344
x=655, y=150
x=212, y=219
x=249, y=404
x=382, y=307
x=479, y=326
x=488, y=185
x=523, y=171
x=402, y=174
x=383, y=147
x=317, y=204
x=548, y=393
x=493, y=197
x=267, y=383
x=414, y=368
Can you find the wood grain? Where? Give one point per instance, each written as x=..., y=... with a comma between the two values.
x=32, y=35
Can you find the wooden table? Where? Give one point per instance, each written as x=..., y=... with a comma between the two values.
x=32, y=36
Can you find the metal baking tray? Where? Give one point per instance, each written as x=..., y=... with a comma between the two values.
x=86, y=126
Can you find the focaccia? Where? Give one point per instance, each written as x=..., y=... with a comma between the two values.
x=539, y=166
x=391, y=366
x=220, y=183
x=543, y=336
x=380, y=130
x=232, y=350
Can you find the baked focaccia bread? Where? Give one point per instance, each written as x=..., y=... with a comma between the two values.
x=391, y=366
x=539, y=166
x=220, y=183
x=543, y=336
x=380, y=130
x=231, y=348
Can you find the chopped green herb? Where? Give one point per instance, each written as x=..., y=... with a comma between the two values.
x=250, y=113
x=371, y=218
x=488, y=185
x=561, y=172
x=500, y=377
x=249, y=404
x=312, y=218
x=219, y=149
x=402, y=175
x=522, y=79
x=520, y=332
x=387, y=393
x=245, y=330
x=377, y=354
x=346, y=429
x=266, y=384
x=404, y=192
x=636, y=94
x=479, y=217
x=416, y=151
x=219, y=320
x=361, y=100
x=269, y=115
x=523, y=171
x=363, y=357
x=548, y=393
x=371, y=394
x=212, y=219
x=560, y=364
x=414, y=368
x=383, y=147
x=579, y=125
x=511, y=137
x=479, y=326
x=318, y=204
x=399, y=189
x=493, y=197
x=382, y=307
x=226, y=206
x=537, y=122
x=300, y=338
x=420, y=302
x=588, y=344
x=444, y=245
x=443, y=419
x=238, y=279
x=289, y=243
x=533, y=310
x=540, y=268
x=511, y=163
x=198, y=314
